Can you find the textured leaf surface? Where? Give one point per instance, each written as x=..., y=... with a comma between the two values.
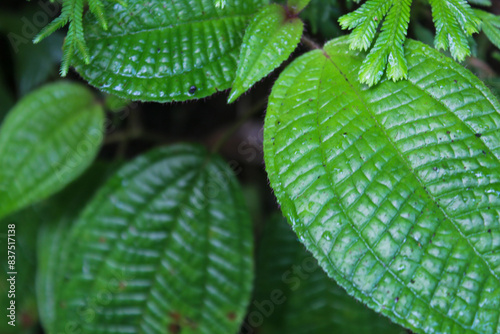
x=175, y=51
x=46, y=141
x=284, y=265
x=394, y=189
x=168, y=241
x=269, y=40
x=59, y=215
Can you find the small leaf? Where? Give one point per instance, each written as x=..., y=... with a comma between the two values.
x=394, y=189
x=270, y=39
x=46, y=141
x=304, y=299
x=157, y=51
x=297, y=5
x=168, y=242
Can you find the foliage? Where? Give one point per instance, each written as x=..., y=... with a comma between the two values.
x=262, y=51
x=41, y=152
x=302, y=282
x=391, y=182
x=455, y=21
x=72, y=13
x=153, y=54
x=394, y=189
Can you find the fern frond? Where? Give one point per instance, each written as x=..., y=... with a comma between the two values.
x=491, y=26
x=455, y=21
x=388, y=50
x=365, y=22
x=72, y=13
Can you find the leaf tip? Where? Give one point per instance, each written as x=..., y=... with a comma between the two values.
x=233, y=95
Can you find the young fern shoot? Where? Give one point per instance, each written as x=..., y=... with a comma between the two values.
x=72, y=13
x=455, y=21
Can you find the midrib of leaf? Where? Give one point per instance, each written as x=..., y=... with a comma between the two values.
x=317, y=249
x=199, y=174
x=133, y=218
x=188, y=190
x=162, y=28
x=493, y=102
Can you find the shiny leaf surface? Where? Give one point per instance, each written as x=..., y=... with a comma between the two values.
x=269, y=40
x=46, y=141
x=154, y=51
x=394, y=189
x=167, y=242
x=285, y=268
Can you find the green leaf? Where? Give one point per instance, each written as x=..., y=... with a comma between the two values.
x=165, y=246
x=289, y=278
x=59, y=213
x=297, y=5
x=491, y=26
x=166, y=52
x=46, y=141
x=394, y=189
x=270, y=39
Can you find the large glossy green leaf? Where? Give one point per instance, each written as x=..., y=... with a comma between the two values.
x=394, y=189
x=164, y=247
x=302, y=298
x=269, y=40
x=59, y=214
x=46, y=141
x=158, y=51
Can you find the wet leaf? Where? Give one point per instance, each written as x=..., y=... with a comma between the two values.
x=46, y=141
x=154, y=51
x=288, y=277
x=165, y=246
x=270, y=39
x=394, y=189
